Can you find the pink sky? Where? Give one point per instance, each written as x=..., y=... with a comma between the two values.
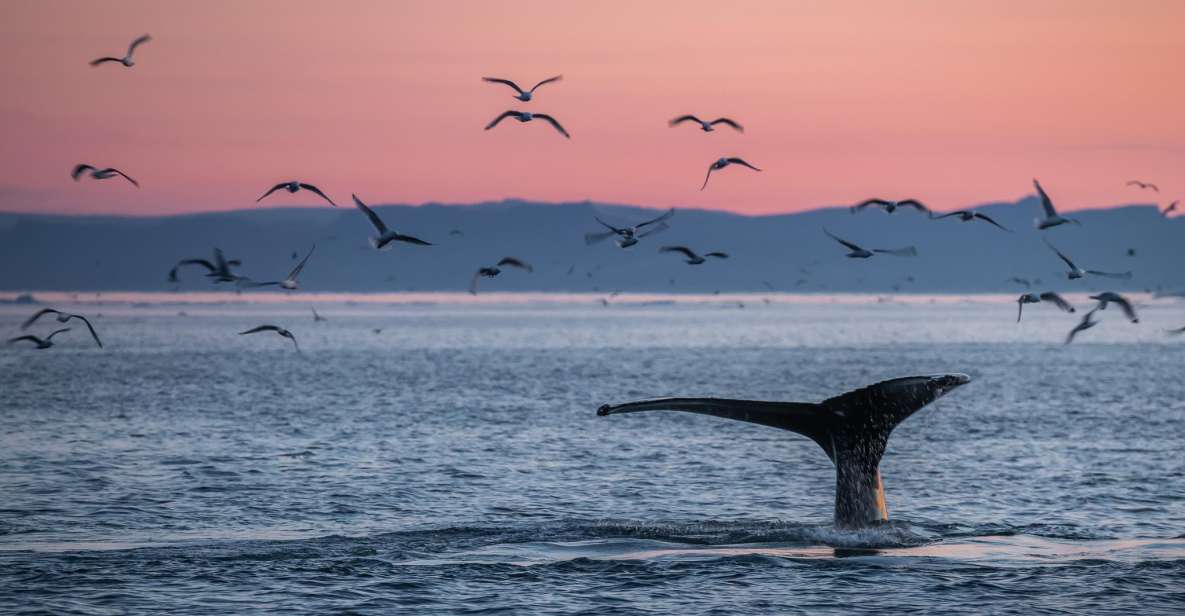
x=955, y=103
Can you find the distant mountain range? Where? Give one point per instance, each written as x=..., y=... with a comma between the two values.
x=787, y=252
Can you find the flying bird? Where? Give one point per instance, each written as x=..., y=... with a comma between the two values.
x=127, y=59
x=628, y=236
x=1144, y=185
x=288, y=283
x=1175, y=332
x=527, y=116
x=1052, y=218
x=692, y=257
x=273, y=328
x=523, y=95
x=494, y=270
x=1034, y=298
x=968, y=216
x=219, y=270
x=1086, y=323
x=385, y=236
x=1109, y=297
x=42, y=343
x=706, y=126
x=1077, y=272
x=891, y=206
x=294, y=186
x=1172, y=207
x=722, y=163
x=62, y=317
x=860, y=253
x=100, y=174
x=1021, y=281
x=316, y=317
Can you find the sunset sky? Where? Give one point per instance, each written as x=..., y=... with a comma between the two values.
x=954, y=103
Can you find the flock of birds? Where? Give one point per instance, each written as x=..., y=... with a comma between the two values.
x=221, y=270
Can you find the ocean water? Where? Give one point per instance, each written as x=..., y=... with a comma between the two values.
x=453, y=462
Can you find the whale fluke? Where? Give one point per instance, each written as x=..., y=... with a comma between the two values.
x=852, y=428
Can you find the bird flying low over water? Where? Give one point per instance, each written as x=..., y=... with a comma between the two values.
x=692, y=257
x=1172, y=207
x=1109, y=297
x=219, y=270
x=42, y=343
x=273, y=328
x=1052, y=218
x=968, y=216
x=722, y=163
x=62, y=317
x=494, y=270
x=628, y=236
x=860, y=253
x=288, y=283
x=1077, y=272
x=100, y=174
x=127, y=59
x=1144, y=185
x=316, y=317
x=1175, y=332
x=385, y=236
x=1021, y=281
x=523, y=95
x=1088, y=321
x=891, y=206
x=707, y=126
x=527, y=116
x=1048, y=296
x=294, y=186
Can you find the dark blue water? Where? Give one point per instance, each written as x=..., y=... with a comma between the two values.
x=454, y=463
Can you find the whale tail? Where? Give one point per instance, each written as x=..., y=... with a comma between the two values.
x=852, y=428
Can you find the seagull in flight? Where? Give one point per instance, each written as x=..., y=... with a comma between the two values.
x=1175, y=332
x=527, y=116
x=628, y=236
x=1052, y=218
x=385, y=236
x=1172, y=207
x=288, y=283
x=968, y=216
x=127, y=59
x=494, y=270
x=891, y=206
x=100, y=174
x=860, y=253
x=1033, y=298
x=62, y=317
x=722, y=163
x=692, y=257
x=316, y=317
x=1114, y=298
x=294, y=186
x=273, y=328
x=42, y=343
x=1086, y=323
x=705, y=125
x=219, y=270
x=1077, y=272
x=1021, y=281
x=523, y=95
x=1144, y=185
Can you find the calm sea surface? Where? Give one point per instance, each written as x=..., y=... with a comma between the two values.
x=447, y=458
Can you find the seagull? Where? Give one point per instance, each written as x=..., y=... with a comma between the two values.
x=1087, y=322
x=219, y=270
x=273, y=328
x=968, y=216
x=126, y=60
x=1052, y=218
x=63, y=317
x=523, y=95
x=1021, y=281
x=705, y=125
x=1114, y=298
x=1048, y=296
x=294, y=186
x=1172, y=207
x=692, y=258
x=316, y=317
x=42, y=343
x=490, y=272
x=527, y=116
x=288, y=283
x=100, y=174
x=1144, y=185
x=1175, y=332
x=1077, y=272
x=385, y=236
x=722, y=163
x=860, y=253
x=890, y=206
x=628, y=236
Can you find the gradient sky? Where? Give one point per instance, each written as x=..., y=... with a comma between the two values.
x=955, y=103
